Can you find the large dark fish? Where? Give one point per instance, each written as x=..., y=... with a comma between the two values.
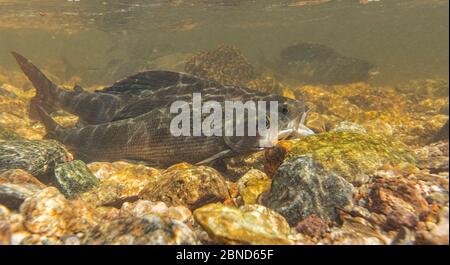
x=104, y=105
x=131, y=120
x=319, y=64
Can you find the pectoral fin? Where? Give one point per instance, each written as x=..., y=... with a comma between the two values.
x=219, y=155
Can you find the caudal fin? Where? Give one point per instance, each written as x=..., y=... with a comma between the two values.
x=46, y=90
x=51, y=126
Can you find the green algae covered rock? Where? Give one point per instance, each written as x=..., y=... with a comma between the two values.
x=75, y=178
x=353, y=156
x=250, y=224
x=37, y=157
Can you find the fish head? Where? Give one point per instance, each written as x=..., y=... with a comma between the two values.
x=292, y=116
x=361, y=70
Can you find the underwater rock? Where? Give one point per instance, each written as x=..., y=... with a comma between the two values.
x=82, y=217
x=15, y=186
x=302, y=187
x=4, y=213
x=21, y=177
x=142, y=208
x=433, y=157
x=404, y=237
x=12, y=195
x=37, y=157
x=346, y=126
x=403, y=197
x=150, y=230
x=234, y=199
x=355, y=231
x=312, y=226
x=13, y=231
x=225, y=64
x=252, y=185
x=439, y=235
x=119, y=182
x=187, y=185
x=5, y=233
x=399, y=199
x=250, y=224
x=74, y=178
x=236, y=166
x=36, y=239
x=353, y=156
x=48, y=213
x=44, y=212
x=181, y=214
x=319, y=64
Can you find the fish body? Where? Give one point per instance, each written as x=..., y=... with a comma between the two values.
x=144, y=138
x=131, y=119
x=319, y=64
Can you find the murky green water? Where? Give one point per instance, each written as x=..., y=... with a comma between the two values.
x=101, y=41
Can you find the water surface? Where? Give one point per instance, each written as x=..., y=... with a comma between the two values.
x=101, y=41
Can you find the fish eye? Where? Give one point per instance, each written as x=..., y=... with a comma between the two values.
x=285, y=110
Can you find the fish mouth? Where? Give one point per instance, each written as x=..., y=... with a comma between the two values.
x=299, y=127
x=296, y=128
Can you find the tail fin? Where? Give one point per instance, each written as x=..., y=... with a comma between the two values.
x=46, y=90
x=51, y=126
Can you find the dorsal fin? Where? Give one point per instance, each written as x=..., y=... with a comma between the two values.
x=37, y=78
x=151, y=80
x=46, y=90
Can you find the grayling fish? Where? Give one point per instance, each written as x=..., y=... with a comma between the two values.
x=319, y=64
x=131, y=119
